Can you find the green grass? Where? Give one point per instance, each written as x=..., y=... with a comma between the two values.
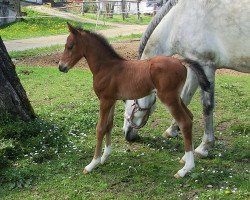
x=63, y=143
x=132, y=36
x=36, y=51
x=132, y=19
x=37, y=27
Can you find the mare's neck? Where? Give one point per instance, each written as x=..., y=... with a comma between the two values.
x=98, y=55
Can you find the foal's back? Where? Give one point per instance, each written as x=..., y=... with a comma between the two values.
x=133, y=79
x=161, y=73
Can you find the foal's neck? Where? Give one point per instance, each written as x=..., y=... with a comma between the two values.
x=99, y=53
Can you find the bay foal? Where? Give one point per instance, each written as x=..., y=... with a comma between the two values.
x=115, y=78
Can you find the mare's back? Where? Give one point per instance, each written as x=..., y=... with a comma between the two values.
x=218, y=26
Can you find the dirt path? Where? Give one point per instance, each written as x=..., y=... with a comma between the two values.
x=127, y=49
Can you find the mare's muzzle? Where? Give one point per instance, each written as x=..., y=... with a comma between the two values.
x=63, y=68
x=131, y=135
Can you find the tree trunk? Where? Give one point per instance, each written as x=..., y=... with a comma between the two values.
x=13, y=98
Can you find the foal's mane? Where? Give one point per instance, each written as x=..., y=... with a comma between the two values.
x=103, y=42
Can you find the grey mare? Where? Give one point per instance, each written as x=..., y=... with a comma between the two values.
x=214, y=33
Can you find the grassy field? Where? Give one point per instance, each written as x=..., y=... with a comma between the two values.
x=40, y=26
x=46, y=157
x=132, y=19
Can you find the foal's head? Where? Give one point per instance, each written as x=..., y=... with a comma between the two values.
x=73, y=51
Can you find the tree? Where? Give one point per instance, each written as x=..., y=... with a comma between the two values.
x=13, y=98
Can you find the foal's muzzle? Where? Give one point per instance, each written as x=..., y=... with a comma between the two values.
x=63, y=68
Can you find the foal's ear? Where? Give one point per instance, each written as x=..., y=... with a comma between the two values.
x=72, y=29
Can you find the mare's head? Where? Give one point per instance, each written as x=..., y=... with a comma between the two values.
x=73, y=51
x=136, y=115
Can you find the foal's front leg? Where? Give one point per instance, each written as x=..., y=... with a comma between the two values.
x=102, y=127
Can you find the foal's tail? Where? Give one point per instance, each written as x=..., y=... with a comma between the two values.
x=202, y=78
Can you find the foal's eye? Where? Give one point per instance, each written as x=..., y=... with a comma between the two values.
x=70, y=47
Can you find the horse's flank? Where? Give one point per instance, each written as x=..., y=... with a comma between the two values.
x=136, y=79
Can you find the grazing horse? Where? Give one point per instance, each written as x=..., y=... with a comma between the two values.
x=115, y=78
x=214, y=33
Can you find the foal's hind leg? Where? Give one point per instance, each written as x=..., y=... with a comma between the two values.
x=187, y=93
x=184, y=120
x=101, y=129
x=107, y=149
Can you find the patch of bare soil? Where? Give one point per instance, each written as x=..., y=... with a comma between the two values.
x=127, y=49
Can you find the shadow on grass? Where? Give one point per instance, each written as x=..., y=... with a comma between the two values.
x=160, y=143
x=35, y=141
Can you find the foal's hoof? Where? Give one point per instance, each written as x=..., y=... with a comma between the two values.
x=85, y=171
x=181, y=161
x=177, y=176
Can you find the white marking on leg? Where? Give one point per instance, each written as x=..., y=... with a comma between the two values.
x=106, y=153
x=189, y=164
x=202, y=150
x=183, y=159
x=92, y=165
x=206, y=144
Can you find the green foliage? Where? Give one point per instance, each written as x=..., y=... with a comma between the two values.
x=53, y=150
x=40, y=25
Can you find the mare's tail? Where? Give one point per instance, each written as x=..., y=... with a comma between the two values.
x=202, y=78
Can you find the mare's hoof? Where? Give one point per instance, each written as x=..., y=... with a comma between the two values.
x=166, y=135
x=200, y=154
x=177, y=176
x=181, y=161
x=85, y=171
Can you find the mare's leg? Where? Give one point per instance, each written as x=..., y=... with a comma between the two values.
x=101, y=129
x=183, y=119
x=107, y=149
x=187, y=93
x=208, y=106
